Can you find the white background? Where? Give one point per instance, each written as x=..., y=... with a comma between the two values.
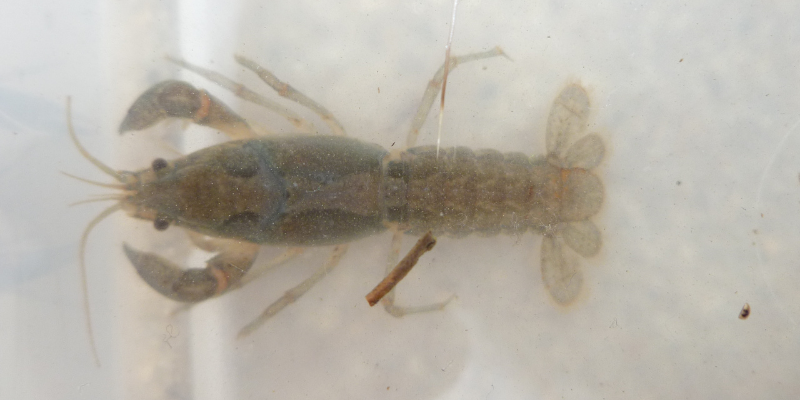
x=698, y=103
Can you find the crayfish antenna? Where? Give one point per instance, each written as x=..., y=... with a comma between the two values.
x=84, y=283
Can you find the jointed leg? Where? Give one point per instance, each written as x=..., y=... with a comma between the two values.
x=213, y=244
x=244, y=93
x=260, y=269
x=435, y=85
x=285, y=90
x=293, y=294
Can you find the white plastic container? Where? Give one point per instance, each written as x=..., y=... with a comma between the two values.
x=697, y=102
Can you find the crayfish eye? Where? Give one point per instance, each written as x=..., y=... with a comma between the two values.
x=161, y=223
x=159, y=164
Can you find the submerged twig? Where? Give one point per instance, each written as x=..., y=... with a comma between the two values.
x=424, y=244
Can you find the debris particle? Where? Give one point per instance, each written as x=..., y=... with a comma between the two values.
x=745, y=311
x=423, y=245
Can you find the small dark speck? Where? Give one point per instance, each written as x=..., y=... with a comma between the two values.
x=548, y=37
x=762, y=215
x=14, y=133
x=393, y=144
x=680, y=60
x=485, y=67
x=755, y=231
x=379, y=90
x=767, y=95
x=678, y=183
x=745, y=311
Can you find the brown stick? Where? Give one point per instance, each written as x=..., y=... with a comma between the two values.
x=424, y=244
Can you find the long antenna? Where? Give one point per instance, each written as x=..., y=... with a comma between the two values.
x=84, y=237
x=85, y=153
x=446, y=71
x=84, y=283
